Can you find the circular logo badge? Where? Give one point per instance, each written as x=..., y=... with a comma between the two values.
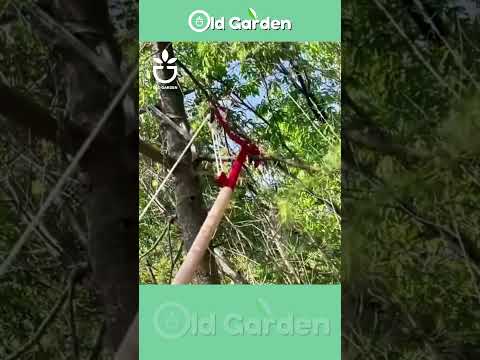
x=199, y=21
x=171, y=321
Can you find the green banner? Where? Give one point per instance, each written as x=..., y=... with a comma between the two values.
x=239, y=322
x=220, y=20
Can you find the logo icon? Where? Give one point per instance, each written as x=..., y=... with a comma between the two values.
x=161, y=61
x=199, y=21
x=172, y=321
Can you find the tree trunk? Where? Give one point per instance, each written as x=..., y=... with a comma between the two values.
x=112, y=201
x=188, y=194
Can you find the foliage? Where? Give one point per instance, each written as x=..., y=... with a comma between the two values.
x=410, y=162
x=283, y=225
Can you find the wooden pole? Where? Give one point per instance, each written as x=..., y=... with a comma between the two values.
x=204, y=236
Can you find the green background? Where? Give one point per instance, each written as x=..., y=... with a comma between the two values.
x=312, y=20
x=317, y=301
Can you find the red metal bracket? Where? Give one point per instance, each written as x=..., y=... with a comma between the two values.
x=248, y=151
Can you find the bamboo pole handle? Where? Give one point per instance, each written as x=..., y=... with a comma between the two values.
x=129, y=348
x=202, y=240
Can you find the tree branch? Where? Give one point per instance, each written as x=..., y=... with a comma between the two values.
x=165, y=119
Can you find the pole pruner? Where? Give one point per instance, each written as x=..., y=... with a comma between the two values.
x=248, y=151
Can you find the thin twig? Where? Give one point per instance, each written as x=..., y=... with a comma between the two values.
x=150, y=271
x=174, y=262
x=162, y=235
x=227, y=267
